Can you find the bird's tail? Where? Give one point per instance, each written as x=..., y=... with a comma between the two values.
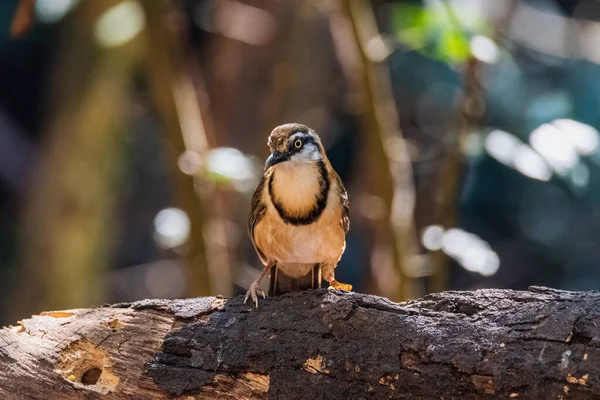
x=281, y=283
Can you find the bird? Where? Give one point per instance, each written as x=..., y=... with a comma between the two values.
x=299, y=215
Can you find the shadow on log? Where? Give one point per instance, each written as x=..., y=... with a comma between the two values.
x=540, y=344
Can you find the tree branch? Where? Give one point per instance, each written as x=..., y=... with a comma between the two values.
x=539, y=344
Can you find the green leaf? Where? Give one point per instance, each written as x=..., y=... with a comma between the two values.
x=437, y=33
x=453, y=47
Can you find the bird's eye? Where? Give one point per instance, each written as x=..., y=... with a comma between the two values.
x=298, y=143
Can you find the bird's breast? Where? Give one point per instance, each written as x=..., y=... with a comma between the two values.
x=302, y=218
x=322, y=241
x=296, y=187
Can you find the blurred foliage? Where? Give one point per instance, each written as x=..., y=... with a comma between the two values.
x=436, y=31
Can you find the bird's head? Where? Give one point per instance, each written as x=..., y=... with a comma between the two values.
x=294, y=143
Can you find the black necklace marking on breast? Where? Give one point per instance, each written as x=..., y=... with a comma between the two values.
x=313, y=214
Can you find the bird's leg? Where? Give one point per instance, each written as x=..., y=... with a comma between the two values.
x=333, y=284
x=254, y=290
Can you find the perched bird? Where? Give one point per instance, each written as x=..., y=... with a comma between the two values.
x=299, y=216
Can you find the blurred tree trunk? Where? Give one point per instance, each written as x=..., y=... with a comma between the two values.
x=448, y=183
x=23, y=18
x=306, y=73
x=178, y=107
x=385, y=167
x=239, y=67
x=65, y=233
x=239, y=63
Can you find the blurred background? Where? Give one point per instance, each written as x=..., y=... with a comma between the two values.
x=133, y=133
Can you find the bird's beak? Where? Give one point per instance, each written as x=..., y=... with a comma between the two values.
x=275, y=158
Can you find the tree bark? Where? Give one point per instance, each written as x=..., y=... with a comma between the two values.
x=538, y=344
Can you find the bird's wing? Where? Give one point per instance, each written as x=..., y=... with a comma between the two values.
x=345, y=220
x=257, y=212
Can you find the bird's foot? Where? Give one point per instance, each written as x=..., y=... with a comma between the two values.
x=339, y=286
x=253, y=292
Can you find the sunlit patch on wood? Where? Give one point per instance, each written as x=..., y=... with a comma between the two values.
x=579, y=381
x=389, y=380
x=486, y=383
x=315, y=365
x=57, y=314
x=115, y=324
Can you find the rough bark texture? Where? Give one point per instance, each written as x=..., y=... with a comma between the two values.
x=540, y=344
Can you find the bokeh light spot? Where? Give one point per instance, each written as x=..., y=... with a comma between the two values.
x=502, y=146
x=232, y=165
x=528, y=162
x=485, y=49
x=120, y=24
x=172, y=227
x=471, y=252
x=584, y=138
x=50, y=11
x=555, y=147
x=432, y=237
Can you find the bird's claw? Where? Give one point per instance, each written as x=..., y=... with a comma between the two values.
x=253, y=292
x=339, y=286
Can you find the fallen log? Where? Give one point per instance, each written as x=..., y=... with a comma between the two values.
x=536, y=344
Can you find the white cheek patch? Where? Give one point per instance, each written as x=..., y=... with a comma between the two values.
x=314, y=152
x=309, y=153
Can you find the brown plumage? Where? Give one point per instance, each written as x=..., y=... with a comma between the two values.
x=300, y=214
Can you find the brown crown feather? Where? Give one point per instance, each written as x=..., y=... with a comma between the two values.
x=280, y=135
